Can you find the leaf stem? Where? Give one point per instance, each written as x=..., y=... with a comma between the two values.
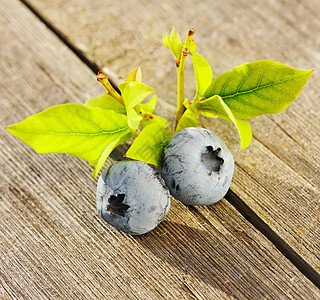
x=180, y=75
x=103, y=79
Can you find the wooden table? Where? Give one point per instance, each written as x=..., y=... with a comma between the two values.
x=260, y=242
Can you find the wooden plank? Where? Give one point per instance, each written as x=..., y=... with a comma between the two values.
x=278, y=175
x=54, y=245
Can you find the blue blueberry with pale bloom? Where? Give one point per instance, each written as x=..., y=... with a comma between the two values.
x=197, y=166
x=132, y=197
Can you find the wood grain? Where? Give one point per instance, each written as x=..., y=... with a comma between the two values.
x=278, y=175
x=53, y=243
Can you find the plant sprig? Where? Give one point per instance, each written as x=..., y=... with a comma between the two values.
x=249, y=90
x=91, y=131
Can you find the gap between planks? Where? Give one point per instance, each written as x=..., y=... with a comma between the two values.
x=231, y=197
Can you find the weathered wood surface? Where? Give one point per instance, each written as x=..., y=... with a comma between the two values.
x=278, y=175
x=53, y=244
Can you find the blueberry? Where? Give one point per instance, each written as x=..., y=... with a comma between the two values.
x=132, y=197
x=197, y=166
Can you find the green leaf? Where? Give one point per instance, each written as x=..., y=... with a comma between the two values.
x=261, y=87
x=215, y=107
x=149, y=106
x=88, y=133
x=134, y=92
x=98, y=163
x=122, y=86
x=203, y=74
x=189, y=118
x=174, y=43
x=134, y=75
x=145, y=110
x=193, y=47
x=133, y=119
x=150, y=119
x=166, y=40
x=148, y=146
x=106, y=102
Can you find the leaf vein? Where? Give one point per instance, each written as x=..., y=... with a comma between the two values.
x=101, y=132
x=271, y=84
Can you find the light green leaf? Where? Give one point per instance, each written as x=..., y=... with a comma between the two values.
x=174, y=43
x=149, y=106
x=134, y=92
x=189, y=118
x=106, y=102
x=203, y=74
x=145, y=110
x=134, y=119
x=88, y=133
x=187, y=103
x=148, y=146
x=166, y=40
x=261, y=87
x=150, y=119
x=193, y=47
x=134, y=75
x=98, y=163
x=122, y=86
x=215, y=107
